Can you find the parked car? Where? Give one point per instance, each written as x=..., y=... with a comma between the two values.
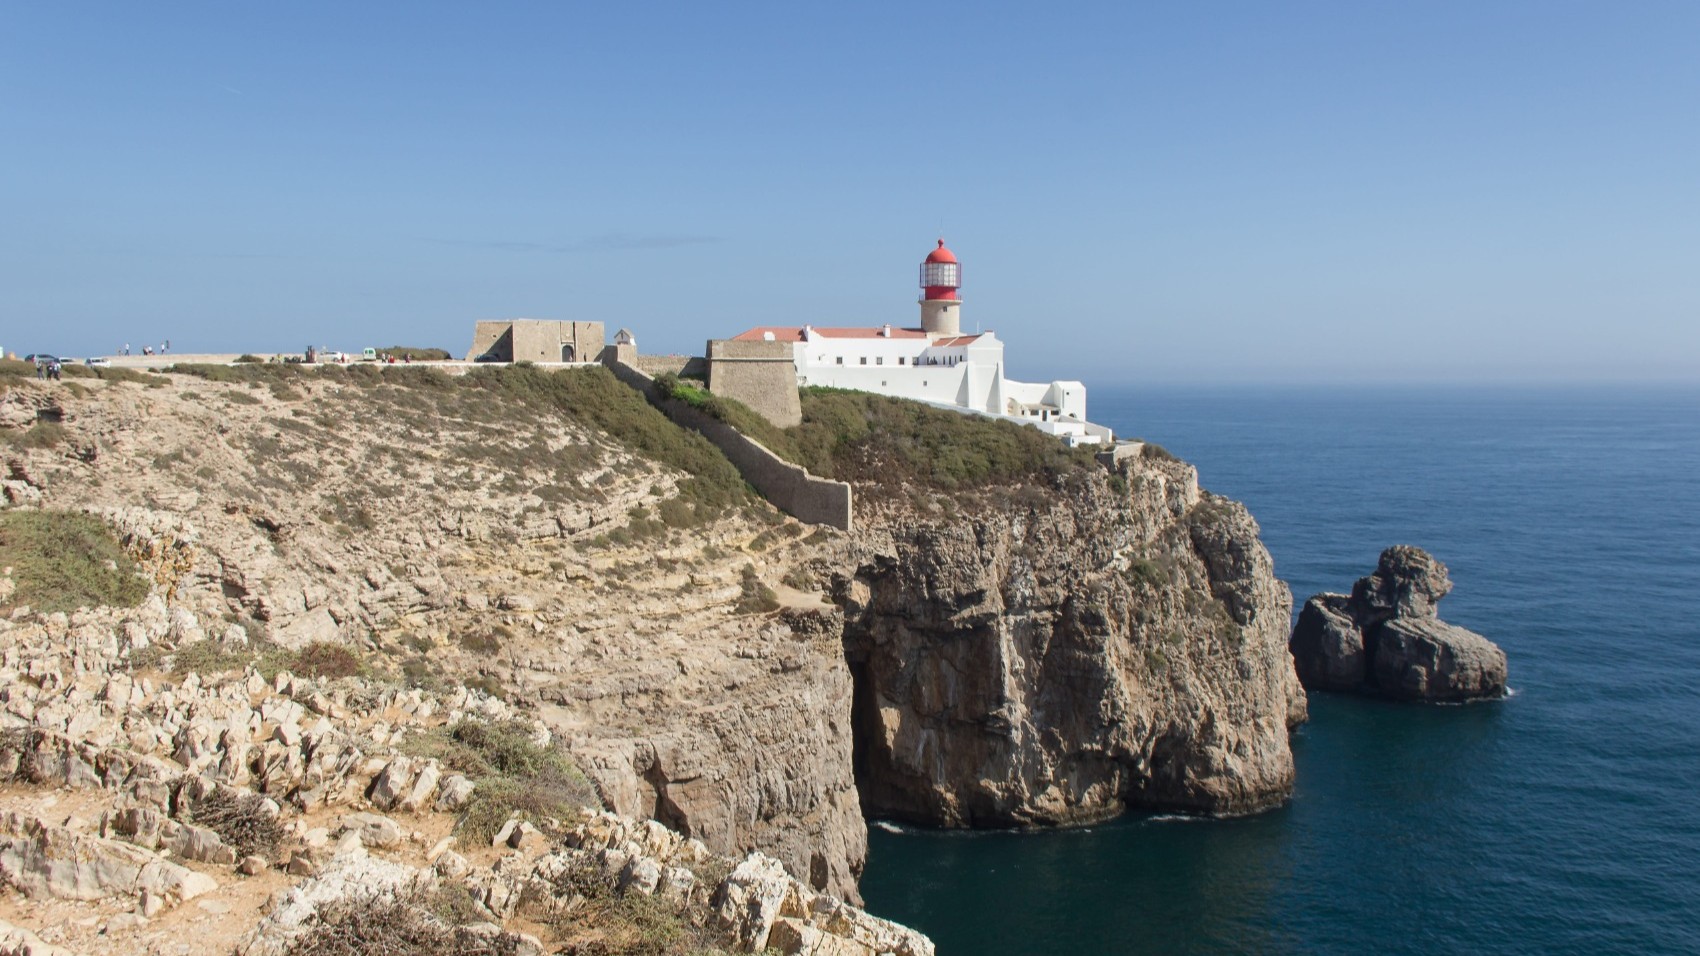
x=41, y=358
x=97, y=362
x=489, y=357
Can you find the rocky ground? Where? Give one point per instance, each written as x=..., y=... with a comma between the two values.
x=153, y=812
x=513, y=549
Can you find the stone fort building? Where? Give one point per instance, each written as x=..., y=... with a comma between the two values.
x=537, y=340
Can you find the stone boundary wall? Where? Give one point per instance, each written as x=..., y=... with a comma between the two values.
x=1119, y=453
x=789, y=487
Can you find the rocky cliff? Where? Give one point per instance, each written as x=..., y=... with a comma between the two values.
x=1047, y=648
x=1057, y=653
x=560, y=545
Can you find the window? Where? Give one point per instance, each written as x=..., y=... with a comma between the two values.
x=864, y=360
x=841, y=360
x=880, y=360
x=902, y=360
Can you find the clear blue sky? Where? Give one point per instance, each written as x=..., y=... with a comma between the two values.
x=1312, y=192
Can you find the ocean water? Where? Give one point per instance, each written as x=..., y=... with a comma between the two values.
x=1565, y=819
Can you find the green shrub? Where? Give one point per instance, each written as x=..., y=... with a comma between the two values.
x=417, y=354
x=63, y=560
x=755, y=597
x=213, y=657
x=328, y=660
x=248, y=357
x=1156, y=452
x=486, y=643
x=378, y=927
x=514, y=775
x=1150, y=572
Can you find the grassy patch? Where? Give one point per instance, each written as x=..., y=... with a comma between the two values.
x=39, y=435
x=130, y=375
x=857, y=436
x=596, y=398
x=264, y=372
x=63, y=560
x=729, y=410
x=515, y=776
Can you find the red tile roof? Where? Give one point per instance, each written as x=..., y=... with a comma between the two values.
x=793, y=333
x=958, y=340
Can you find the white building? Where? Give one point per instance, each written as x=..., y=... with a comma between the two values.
x=935, y=363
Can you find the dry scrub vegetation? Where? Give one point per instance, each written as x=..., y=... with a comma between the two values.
x=63, y=560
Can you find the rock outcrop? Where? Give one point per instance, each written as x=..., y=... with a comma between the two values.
x=1064, y=653
x=1386, y=638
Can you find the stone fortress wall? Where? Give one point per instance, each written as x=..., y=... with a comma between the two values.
x=789, y=487
x=537, y=340
x=684, y=366
x=762, y=375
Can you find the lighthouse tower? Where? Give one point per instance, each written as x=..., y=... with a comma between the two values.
x=941, y=306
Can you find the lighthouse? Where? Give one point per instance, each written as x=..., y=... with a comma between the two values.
x=941, y=305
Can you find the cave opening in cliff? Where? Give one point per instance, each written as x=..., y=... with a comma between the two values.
x=864, y=714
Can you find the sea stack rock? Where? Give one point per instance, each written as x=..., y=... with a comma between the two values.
x=1387, y=640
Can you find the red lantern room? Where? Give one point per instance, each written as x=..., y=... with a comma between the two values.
x=941, y=276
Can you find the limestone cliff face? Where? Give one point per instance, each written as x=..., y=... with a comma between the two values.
x=404, y=524
x=1038, y=654
x=1069, y=651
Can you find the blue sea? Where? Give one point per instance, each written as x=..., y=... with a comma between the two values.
x=1565, y=819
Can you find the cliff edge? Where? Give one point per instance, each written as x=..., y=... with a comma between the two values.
x=1035, y=640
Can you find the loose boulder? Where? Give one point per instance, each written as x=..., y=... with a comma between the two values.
x=1386, y=638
